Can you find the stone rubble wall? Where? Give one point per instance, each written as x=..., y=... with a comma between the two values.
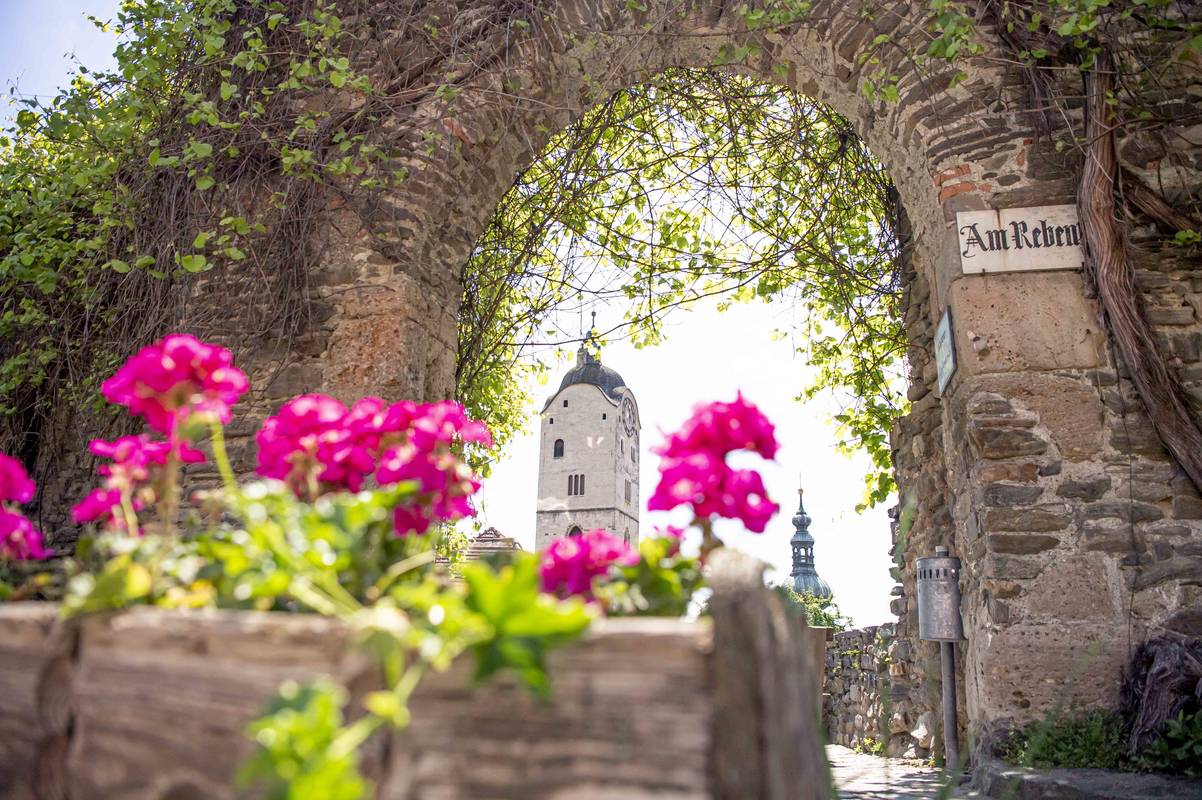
x=867, y=694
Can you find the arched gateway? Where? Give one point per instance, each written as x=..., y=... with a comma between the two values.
x=1029, y=458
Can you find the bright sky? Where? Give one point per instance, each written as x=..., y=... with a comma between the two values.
x=708, y=356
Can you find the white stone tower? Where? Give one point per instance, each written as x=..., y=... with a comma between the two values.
x=588, y=469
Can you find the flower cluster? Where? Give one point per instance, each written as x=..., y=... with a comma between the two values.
x=131, y=481
x=571, y=563
x=694, y=472
x=174, y=378
x=316, y=444
x=19, y=539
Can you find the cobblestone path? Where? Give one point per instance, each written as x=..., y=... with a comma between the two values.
x=865, y=777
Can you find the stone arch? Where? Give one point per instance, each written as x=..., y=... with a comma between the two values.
x=1012, y=464
x=948, y=146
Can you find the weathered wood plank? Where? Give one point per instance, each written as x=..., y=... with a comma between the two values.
x=162, y=698
x=765, y=736
x=26, y=646
x=629, y=718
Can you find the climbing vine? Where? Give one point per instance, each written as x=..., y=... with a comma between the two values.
x=700, y=185
x=203, y=162
x=124, y=194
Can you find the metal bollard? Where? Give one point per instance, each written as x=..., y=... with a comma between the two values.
x=939, y=621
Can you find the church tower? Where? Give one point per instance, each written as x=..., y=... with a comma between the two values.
x=805, y=573
x=588, y=469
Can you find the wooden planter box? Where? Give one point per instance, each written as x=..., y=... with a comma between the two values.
x=151, y=704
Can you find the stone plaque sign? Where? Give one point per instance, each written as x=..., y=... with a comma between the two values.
x=945, y=350
x=1019, y=239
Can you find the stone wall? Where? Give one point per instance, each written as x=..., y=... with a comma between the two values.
x=1036, y=465
x=866, y=698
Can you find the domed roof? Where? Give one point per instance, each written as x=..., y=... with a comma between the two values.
x=811, y=584
x=805, y=573
x=590, y=370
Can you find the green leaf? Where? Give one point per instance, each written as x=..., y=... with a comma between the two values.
x=228, y=90
x=195, y=263
x=205, y=182
x=525, y=623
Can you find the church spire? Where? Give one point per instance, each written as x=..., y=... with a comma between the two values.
x=805, y=573
x=584, y=355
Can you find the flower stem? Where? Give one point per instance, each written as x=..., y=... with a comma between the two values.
x=127, y=510
x=222, y=458
x=169, y=503
x=709, y=540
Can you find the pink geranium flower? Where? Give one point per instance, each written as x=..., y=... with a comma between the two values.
x=426, y=457
x=721, y=428
x=134, y=473
x=175, y=377
x=316, y=445
x=15, y=484
x=19, y=539
x=571, y=563
x=694, y=472
x=306, y=445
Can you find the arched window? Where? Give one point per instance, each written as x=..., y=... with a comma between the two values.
x=574, y=530
x=558, y=451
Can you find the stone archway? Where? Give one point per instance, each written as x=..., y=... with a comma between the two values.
x=1013, y=464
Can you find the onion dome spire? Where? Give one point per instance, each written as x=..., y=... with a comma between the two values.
x=805, y=574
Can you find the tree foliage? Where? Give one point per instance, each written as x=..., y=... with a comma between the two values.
x=702, y=184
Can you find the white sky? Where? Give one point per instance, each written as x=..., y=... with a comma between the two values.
x=707, y=356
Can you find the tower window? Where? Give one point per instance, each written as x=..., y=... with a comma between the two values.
x=627, y=492
x=551, y=421
x=581, y=486
x=602, y=416
x=558, y=451
x=575, y=485
x=574, y=530
x=565, y=403
x=571, y=485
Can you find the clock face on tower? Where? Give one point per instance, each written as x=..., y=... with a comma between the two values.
x=628, y=421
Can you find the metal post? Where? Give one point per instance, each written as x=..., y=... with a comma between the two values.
x=951, y=736
x=939, y=621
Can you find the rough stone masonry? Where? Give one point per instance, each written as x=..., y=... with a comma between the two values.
x=1036, y=464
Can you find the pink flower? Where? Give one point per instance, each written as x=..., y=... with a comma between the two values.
x=136, y=468
x=15, y=484
x=693, y=479
x=694, y=472
x=447, y=421
x=744, y=498
x=313, y=445
x=722, y=428
x=571, y=563
x=175, y=377
x=316, y=445
x=444, y=484
x=99, y=504
x=19, y=539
